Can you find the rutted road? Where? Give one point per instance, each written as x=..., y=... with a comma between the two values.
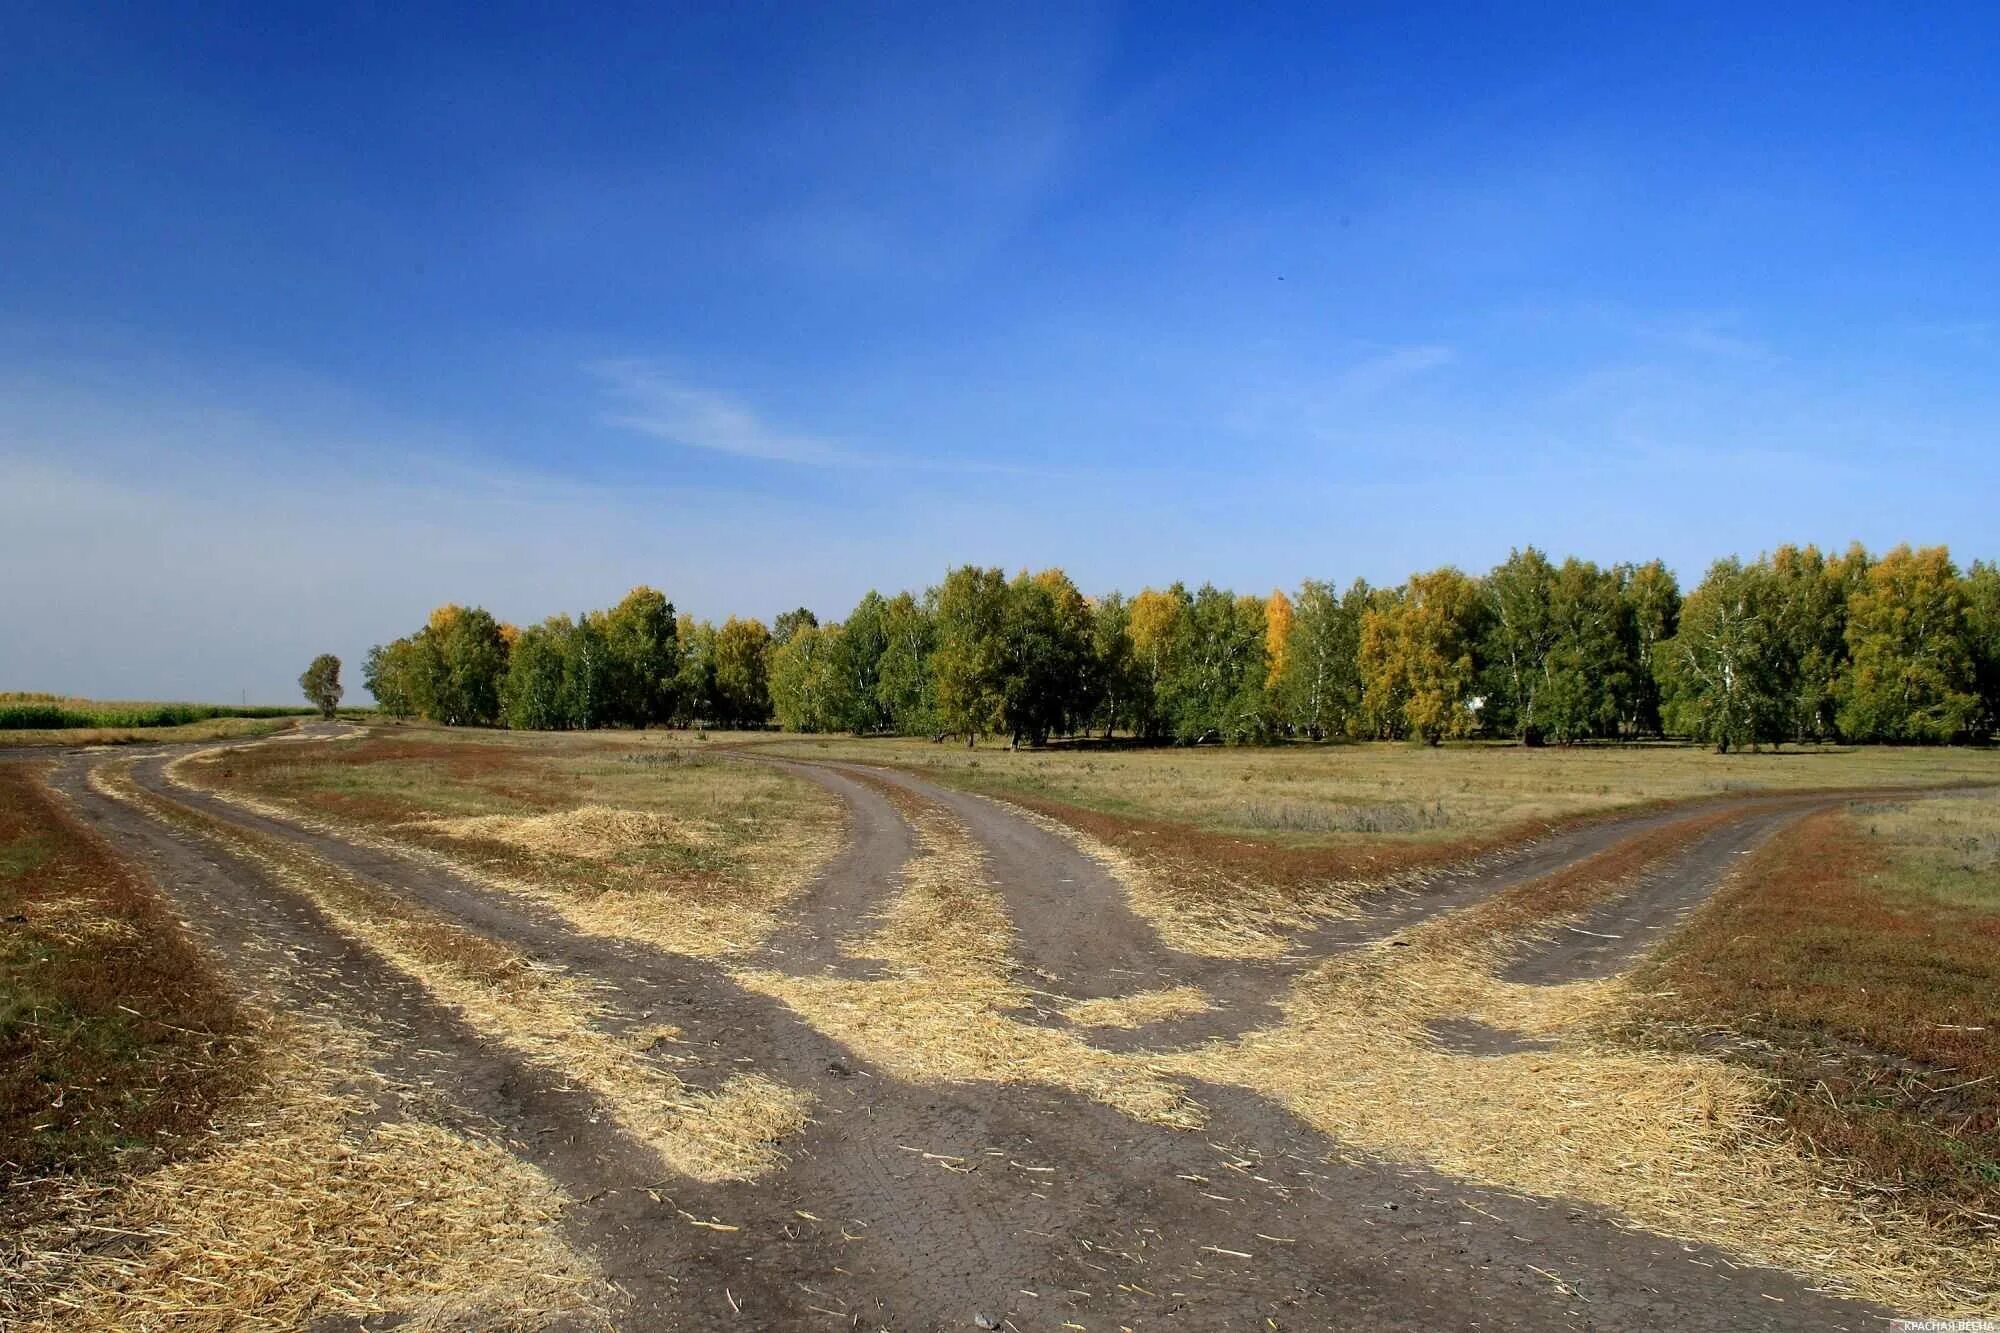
x=1125, y=1231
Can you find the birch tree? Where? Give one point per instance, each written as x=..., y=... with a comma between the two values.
x=1715, y=674
x=1318, y=685
x=1521, y=632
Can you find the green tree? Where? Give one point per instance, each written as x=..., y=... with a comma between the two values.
x=1807, y=597
x=967, y=664
x=742, y=689
x=1318, y=686
x=1652, y=612
x=1717, y=682
x=1045, y=646
x=458, y=665
x=1214, y=687
x=642, y=658
x=1586, y=670
x=387, y=674
x=694, y=682
x=789, y=623
x=1521, y=632
x=534, y=696
x=810, y=687
x=1112, y=686
x=905, y=687
x=1982, y=625
x=321, y=683
x=1912, y=677
x=863, y=638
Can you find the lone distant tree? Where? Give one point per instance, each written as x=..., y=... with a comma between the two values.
x=321, y=682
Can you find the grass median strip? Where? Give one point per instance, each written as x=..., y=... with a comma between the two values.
x=944, y=1012
x=550, y=1018
x=647, y=837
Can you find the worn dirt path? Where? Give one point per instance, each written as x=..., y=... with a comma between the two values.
x=1075, y=927
x=1072, y=1214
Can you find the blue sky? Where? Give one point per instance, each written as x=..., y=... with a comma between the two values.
x=312, y=317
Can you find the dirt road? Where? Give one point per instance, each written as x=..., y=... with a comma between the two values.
x=1069, y=1214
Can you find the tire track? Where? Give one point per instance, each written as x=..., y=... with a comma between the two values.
x=1075, y=926
x=854, y=887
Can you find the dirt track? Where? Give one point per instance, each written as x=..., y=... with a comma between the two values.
x=1137, y=1223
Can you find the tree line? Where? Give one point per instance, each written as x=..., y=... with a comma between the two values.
x=1797, y=646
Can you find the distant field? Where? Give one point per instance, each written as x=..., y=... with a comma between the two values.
x=28, y=719
x=1370, y=793
x=27, y=711
x=215, y=729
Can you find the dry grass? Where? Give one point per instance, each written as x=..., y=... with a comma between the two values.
x=551, y=1019
x=1856, y=965
x=1171, y=826
x=305, y=1206
x=590, y=832
x=943, y=1015
x=1138, y=1009
x=638, y=835
x=1678, y=1143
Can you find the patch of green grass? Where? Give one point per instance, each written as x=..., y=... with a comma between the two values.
x=23, y=854
x=1943, y=850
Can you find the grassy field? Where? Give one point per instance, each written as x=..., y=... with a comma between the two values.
x=1346, y=794
x=1857, y=964
x=648, y=831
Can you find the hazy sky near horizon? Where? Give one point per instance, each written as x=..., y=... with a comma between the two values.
x=312, y=317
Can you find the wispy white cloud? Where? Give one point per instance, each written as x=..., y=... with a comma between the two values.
x=654, y=403
x=1312, y=402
